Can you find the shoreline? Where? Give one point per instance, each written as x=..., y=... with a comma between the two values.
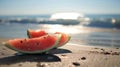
x=69, y=55
x=98, y=29
x=4, y=39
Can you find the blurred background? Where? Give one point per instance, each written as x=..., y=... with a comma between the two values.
x=89, y=22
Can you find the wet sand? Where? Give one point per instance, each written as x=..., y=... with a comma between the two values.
x=70, y=55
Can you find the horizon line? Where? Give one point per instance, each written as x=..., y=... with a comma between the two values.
x=54, y=13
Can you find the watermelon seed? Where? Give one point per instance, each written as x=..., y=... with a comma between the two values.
x=44, y=37
x=21, y=41
x=37, y=43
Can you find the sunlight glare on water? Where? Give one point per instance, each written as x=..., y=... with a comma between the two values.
x=66, y=29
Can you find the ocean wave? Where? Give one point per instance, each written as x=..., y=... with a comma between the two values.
x=96, y=22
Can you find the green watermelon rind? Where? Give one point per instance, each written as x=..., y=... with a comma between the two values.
x=28, y=33
x=69, y=37
x=35, y=52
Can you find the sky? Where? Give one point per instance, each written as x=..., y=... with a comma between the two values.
x=36, y=7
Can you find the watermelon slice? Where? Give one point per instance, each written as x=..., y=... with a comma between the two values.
x=64, y=39
x=35, y=33
x=34, y=45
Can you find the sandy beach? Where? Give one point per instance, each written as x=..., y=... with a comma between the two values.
x=70, y=55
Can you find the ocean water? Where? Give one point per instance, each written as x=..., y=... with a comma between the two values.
x=93, y=34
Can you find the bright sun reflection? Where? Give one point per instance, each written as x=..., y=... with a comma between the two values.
x=68, y=15
x=64, y=29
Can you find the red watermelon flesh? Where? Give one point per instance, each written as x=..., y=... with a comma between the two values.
x=34, y=45
x=64, y=39
x=35, y=33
